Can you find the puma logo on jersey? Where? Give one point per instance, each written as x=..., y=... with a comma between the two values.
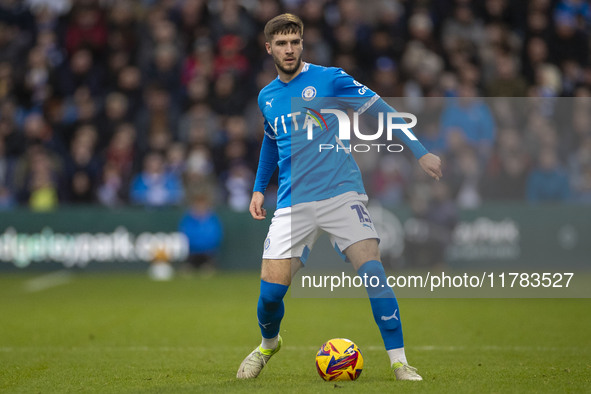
x=270, y=103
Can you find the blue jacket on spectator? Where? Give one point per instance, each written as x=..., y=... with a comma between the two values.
x=548, y=185
x=156, y=190
x=474, y=119
x=204, y=231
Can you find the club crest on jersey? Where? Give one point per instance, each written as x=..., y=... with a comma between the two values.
x=309, y=93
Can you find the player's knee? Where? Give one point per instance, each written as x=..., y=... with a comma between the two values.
x=272, y=294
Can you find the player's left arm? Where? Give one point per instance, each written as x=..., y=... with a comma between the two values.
x=431, y=164
x=364, y=100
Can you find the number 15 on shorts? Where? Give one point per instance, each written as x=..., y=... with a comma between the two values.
x=364, y=218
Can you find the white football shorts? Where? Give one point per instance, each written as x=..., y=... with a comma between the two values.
x=294, y=230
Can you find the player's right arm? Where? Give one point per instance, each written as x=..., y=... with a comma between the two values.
x=268, y=159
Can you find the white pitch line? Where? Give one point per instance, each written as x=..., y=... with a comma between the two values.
x=431, y=348
x=426, y=348
x=48, y=281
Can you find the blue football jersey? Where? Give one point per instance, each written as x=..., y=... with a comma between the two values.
x=296, y=124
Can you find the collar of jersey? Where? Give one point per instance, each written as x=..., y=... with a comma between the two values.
x=304, y=69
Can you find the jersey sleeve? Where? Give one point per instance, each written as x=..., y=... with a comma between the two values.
x=268, y=159
x=351, y=93
x=408, y=137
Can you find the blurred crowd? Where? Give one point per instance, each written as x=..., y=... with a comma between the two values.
x=150, y=102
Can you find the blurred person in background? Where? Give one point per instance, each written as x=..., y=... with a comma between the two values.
x=86, y=28
x=159, y=115
x=38, y=177
x=153, y=186
x=111, y=190
x=63, y=59
x=129, y=82
x=472, y=117
x=199, y=62
x=391, y=179
x=121, y=151
x=548, y=182
x=464, y=31
x=580, y=168
x=42, y=190
x=203, y=228
x=568, y=42
x=465, y=179
x=115, y=113
x=199, y=166
x=429, y=230
x=82, y=167
x=7, y=200
x=176, y=159
x=235, y=143
x=506, y=81
x=535, y=53
x=237, y=182
x=82, y=70
x=165, y=68
x=507, y=169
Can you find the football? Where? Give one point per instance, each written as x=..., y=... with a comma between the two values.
x=339, y=359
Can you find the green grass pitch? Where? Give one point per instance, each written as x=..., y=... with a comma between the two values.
x=124, y=333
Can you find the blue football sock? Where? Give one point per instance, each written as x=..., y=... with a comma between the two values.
x=270, y=308
x=383, y=303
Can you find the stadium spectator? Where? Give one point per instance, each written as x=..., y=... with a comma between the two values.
x=237, y=182
x=578, y=9
x=4, y=165
x=154, y=187
x=464, y=31
x=465, y=181
x=567, y=42
x=390, y=180
x=120, y=152
x=198, y=125
x=176, y=159
x=429, y=231
x=506, y=82
x=199, y=165
x=37, y=176
x=159, y=115
x=580, y=168
x=548, y=181
x=129, y=82
x=507, y=169
x=204, y=230
x=114, y=114
x=82, y=167
x=230, y=58
x=472, y=117
x=122, y=28
x=7, y=200
x=165, y=68
x=86, y=29
x=178, y=69
x=82, y=70
x=199, y=63
x=111, y=190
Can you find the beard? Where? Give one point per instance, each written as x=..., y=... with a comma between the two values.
x=291, y=70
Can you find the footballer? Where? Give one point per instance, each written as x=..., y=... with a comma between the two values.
x=326, y=192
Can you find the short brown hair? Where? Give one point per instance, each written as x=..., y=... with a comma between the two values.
x=284, y=24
